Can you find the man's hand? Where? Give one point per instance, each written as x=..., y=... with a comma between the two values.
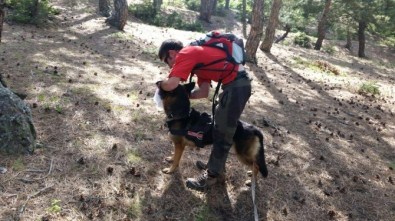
x=158, y=83
x=170, y=84
x=201, y=92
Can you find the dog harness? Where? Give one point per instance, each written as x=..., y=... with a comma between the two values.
x=198, y=127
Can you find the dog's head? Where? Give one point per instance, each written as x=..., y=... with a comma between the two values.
x=176, y=102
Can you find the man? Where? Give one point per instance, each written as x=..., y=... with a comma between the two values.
x=236, y=90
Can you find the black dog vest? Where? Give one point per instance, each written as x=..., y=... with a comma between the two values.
x=198, y=129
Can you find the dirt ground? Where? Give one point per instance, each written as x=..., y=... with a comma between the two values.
x=330, y=149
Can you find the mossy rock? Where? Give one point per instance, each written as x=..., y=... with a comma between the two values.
x=17, y=132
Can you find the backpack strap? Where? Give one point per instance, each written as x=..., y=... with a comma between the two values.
x=214, y=105
x=200, y=67
x=214, y=102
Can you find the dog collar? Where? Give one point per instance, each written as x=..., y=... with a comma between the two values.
x=172, y=117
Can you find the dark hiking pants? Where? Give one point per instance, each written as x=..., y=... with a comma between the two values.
x=231, y=104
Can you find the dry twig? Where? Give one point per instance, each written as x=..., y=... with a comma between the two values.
x=37, y=179
x=41, y=191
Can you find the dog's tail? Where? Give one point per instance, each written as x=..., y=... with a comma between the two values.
x=260, y=159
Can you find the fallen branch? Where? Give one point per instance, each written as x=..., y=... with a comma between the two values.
x=39, y=192
x=37, y=179
x=35, y=171
x=8, y=195
x=287, y=30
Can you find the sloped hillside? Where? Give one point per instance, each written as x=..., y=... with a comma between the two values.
x=330, y=146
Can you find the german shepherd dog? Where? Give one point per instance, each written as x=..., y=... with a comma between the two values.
x=247, y=141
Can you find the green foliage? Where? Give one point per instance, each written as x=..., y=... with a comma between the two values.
x=58, y=108
x=193, y=5
x=204, y=213
x=22, y=11
x=340, y=33
x=379, y=15
x=301, y=15
x=133, y=156
x=318, y=66
x=392, y=165
x=302, y=40
x=238, y=6
x=174, y=3
x=306, y=64
x=220, y=11
x=311, y=8
x=369, y=88
x=326, y=67
x=55, y=206
x=147, y=13
x=330, y=49
x=143, y=11
x=389, y=41
x=135, y=208
x=18, y=165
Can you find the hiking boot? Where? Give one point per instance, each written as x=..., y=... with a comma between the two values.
x=202, y=182
x=200, y=165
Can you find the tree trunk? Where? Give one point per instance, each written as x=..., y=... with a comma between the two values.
x=206, y=7
x=35, y=8
x=361, y=38
x=214, y=7
x=287, y=30
x=271, y=26
x=256, y=31
x=322, y=25
x=2, y=15
x=349, y=40
x=105, y=8
x=243, y=18
x=120, y=14
x=227, y=4
x=157, y=5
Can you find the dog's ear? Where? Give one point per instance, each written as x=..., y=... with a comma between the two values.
x=189, y=87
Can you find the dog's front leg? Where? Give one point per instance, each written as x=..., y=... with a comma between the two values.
x=175, y=159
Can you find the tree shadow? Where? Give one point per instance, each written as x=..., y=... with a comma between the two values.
x=219, y=203
x=322, y=133
x=244, y=207
x=108, y=151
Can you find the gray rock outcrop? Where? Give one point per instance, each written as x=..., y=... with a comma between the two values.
x=17, y=132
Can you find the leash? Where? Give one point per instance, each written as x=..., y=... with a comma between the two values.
x=253, y=185
x=214, y=101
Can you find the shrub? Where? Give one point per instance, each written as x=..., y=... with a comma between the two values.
x=302, y=40
x=23, y=11
x=369, y=88
x=143, y=11
x=148, y=14
x=193, y=5
x=389, y=41
x=327, y=67
x=329, y=49
x=55, y=206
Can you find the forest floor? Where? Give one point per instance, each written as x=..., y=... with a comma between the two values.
x=330, y=149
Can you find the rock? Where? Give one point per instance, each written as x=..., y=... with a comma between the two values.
x=17, y=132
x=3, y=170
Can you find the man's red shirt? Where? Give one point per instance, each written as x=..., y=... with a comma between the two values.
x=190, y=56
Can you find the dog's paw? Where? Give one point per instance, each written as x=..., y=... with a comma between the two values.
x=168, y=170
x=169, y=159
x=249, y=173
x=248, y=183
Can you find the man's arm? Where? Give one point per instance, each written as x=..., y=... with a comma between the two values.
x=201, y=92
x=170, y=84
